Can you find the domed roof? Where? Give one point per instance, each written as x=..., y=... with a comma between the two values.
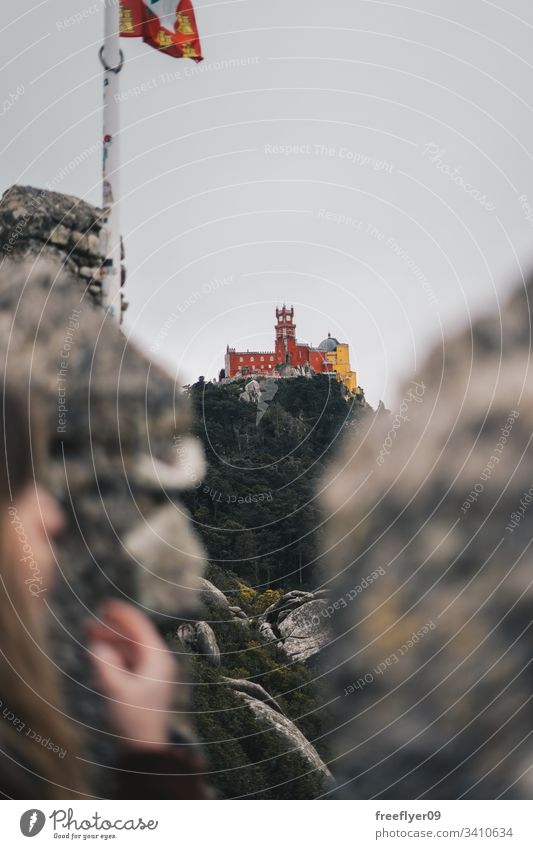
x=328, y=345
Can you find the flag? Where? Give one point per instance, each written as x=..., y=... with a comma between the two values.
x=167, y=25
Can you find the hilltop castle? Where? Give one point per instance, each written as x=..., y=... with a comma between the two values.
x=292, y=357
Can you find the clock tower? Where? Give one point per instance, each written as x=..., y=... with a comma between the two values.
x=285, y=336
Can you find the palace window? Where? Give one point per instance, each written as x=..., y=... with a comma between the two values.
x=252, y=359
x=241, y=359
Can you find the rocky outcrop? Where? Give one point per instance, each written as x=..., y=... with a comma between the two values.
x=297, y=619
x=201, y=638
x=304, y=630
x=267, y=633
x=288, y=734
x=256, y=691
x=289, y=601
x=298, y=623
x=238, y=612
x=98, y=406
x=211, y=595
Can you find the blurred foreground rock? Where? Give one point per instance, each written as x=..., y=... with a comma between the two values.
x=36, y=224
x=431, y=665
x=112, y=425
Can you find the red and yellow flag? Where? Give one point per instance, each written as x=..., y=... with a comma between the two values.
x=167, y=25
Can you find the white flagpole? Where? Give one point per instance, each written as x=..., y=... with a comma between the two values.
x=112, y=59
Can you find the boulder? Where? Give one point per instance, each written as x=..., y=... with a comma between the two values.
x=211, y=595
x=256, y=691
x=287, y=733
x=267, y=633
x=207, y=642
x=289, y=601
x=302, y=635
x=272, y=613
x=297, y=594
x=238, y=612
x=201, y=638
x=187, y=634
x=297, y=623
x=284, y=613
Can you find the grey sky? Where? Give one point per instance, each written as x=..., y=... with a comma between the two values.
x=372, y=234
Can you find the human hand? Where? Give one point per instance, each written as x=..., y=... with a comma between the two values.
x=136, y=672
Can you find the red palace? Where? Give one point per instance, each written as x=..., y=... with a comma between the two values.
x=288, y=352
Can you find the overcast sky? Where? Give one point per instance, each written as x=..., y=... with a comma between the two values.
x=369, y=162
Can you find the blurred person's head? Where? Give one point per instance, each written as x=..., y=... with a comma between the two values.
x=38, y=747
x=123, y=416
x=429, y=517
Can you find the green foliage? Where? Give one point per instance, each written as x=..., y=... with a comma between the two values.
x=263, y=600
x=246, y=655
x=244, y=759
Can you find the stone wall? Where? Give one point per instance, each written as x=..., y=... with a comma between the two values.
x=38, y=224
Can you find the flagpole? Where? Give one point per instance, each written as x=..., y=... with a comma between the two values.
x=112, y=60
